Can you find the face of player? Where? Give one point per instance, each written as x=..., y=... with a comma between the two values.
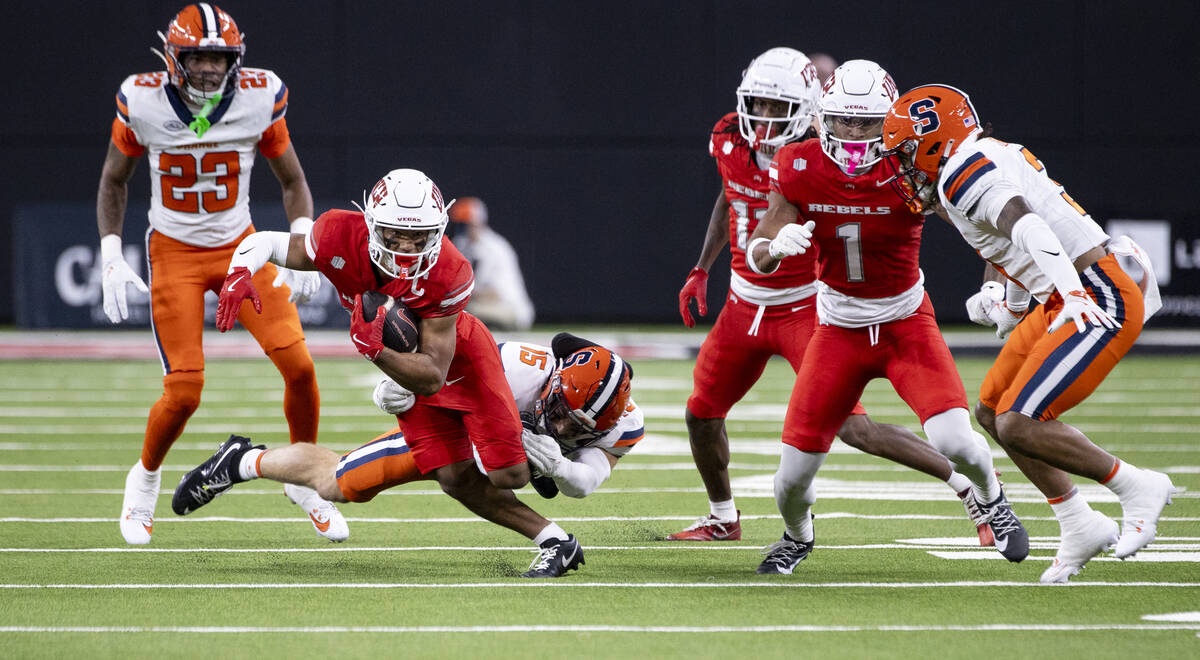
x=857, y=128
x=761, y=107
x=406, y=241
x=206, y=70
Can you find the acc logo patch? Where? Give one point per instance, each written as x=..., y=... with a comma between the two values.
x=174, y=125
x=799, y=164
x=337, y=262
x=727, y=148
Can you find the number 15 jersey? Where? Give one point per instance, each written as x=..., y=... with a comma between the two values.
x=200, y=186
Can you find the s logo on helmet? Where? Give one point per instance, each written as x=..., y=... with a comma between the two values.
x=925, y=120
x=578, y=357
x=379, y=193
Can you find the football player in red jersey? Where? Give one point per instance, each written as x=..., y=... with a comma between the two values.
x=199, y=124
x=875, y=319
x=396, y=244
x=766, y=315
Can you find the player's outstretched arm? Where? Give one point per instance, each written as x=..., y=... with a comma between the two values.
x=278, y=247
x=422, y=372
x=111, y=199
x=695, y=287
x=578, y=477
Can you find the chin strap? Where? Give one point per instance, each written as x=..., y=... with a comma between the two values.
x=200, y=124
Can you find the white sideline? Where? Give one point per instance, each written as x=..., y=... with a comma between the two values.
x=1018, y=627
x=826, y=516
x=559, y=584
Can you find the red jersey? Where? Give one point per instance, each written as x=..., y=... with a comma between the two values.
x=337, y=245
x=868, y=242
x=746, y=189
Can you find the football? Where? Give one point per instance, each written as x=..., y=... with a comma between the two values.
x=401, y=327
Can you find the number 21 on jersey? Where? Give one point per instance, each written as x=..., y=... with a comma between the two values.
x=180, y=171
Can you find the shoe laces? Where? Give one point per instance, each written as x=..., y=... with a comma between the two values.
x=706, y=521
x=974, y=511
x=781, y=548
x=141, y=514
x=1003, y=520
x=544, y=557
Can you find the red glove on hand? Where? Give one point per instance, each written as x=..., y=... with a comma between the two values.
x=367, y=335
x=695, y=287
x=237, y=287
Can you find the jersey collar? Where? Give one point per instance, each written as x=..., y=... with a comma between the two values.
x=185, y=115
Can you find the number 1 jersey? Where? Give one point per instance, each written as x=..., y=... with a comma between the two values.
x=200, y=185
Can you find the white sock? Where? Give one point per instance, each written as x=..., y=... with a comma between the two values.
x=725, y=511
x=958, y=482
x=248, y=467
x=802, y=531
x=794, y=492
x=551, y=531
x=1070, y=510
x=1124, y=479
x=145, y=480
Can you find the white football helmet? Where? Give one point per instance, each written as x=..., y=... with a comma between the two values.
x=861, y=89
x=404, y=200
x=781, y=74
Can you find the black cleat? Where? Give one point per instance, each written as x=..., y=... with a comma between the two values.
x=212, y=477
x=556, y=558
x=783, y=555
x=1011, y=538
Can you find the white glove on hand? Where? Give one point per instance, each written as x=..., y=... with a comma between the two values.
x=793, y=239
x=115, y=274
x=392, y=398
x=1078, y=306
x=303, y=283
x=988, y=308
x=543, y=452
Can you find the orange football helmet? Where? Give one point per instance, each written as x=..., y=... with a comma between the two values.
x=585, y=396
x=921, y=131
x=201, y=27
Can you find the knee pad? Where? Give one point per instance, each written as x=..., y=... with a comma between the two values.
x=181, y=390
x=951, y=434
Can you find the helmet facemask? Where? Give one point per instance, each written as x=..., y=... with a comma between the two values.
x=784, y=75
x=852, y=154
x=584, y=397
x=766, y=133
x=915, y=187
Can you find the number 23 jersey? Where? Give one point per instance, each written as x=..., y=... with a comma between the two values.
x=200, y=185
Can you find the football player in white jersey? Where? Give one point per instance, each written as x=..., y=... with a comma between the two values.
x=199, y=123
x=1028, y=228
x=574, y=401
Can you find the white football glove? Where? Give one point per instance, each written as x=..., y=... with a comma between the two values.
x=1079, y=307
x=115, y=274
x=791, y=240
x=303, y=283
x=392, y=398
x=988, y=308
x=543, y=453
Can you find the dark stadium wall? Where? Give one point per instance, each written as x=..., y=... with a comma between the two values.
x=584, y=125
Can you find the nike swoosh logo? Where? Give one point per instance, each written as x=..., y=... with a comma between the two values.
x=1053, y=254
x=231, y=448
x=358, y=341
x=230, y=287
x=246, y=250
x=451, y=382
x=565, y=559
x=880, y=184
x=796, y=309
x=322, y=526
x=1002, y=544
x=149, y=528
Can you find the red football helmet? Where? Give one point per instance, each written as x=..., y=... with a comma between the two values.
x=921, y=131
x=196, y=28
x=586, y=395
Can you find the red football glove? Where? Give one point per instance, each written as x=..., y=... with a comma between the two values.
x=237, y=287
x=694, y=288
x=367, y=335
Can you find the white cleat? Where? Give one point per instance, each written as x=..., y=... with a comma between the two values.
x=1079, y=544
x=1141, y=511
x=137, y=511
x=325, y=517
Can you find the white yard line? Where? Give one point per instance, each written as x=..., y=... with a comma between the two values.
x=221, y=630
x=561, y=584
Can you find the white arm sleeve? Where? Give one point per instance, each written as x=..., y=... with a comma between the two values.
x=1035, y=237
x=260, y=247
x=583, y=474
x=1016, y=298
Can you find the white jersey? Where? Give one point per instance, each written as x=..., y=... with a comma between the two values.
x=981, y=177
x=499, y=287
x=200, y=186
x=527, y=367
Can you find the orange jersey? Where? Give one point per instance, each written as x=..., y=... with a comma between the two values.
x=200, y=186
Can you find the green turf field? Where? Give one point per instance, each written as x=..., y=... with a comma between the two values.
x=894, y=574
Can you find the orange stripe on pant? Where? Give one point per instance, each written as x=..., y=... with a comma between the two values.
x=376, y=466
x=1043, y=375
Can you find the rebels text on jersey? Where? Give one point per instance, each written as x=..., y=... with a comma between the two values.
x=527, y=368
x=868, y=242
x=200, y=185
x=746, y=188
x=337, y=245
